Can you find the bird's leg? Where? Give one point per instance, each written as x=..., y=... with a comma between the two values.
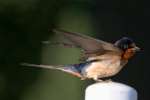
x=108, y=80
x=97, y=79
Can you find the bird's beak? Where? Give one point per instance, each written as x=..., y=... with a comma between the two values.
x=137, y=48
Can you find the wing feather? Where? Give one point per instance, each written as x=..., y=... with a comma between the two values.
x=90, y=45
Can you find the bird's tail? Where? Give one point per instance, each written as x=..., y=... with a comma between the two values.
x=68, y=69
x=59, y=67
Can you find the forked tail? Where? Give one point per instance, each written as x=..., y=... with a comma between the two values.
x=68, y=69
x=43, y=66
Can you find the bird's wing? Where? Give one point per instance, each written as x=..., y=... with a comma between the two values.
x=88, y=44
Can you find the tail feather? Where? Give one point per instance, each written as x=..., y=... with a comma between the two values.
x=70, y=70
x=43, y=66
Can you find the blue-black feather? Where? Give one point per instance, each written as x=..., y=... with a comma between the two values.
x=79, y=67
x=124, y=43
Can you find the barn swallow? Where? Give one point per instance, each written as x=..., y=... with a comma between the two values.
x=100, y=59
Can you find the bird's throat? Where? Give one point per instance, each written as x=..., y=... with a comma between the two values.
x=128, y=54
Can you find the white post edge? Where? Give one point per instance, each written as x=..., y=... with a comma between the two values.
x=110, y=91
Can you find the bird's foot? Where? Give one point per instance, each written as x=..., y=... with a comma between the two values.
x=108, y=80
x=99, y=80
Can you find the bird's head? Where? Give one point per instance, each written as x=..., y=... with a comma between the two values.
x=126, y=43
x=128, y=47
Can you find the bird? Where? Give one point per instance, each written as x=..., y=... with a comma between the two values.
x=100, y=59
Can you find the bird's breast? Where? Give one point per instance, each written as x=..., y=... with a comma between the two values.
x=103, y=68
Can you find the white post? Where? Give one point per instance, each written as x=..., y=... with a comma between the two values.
x=110, y=91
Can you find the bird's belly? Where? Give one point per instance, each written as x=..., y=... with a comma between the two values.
x=103, y=69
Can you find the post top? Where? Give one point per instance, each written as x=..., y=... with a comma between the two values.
x=111, y=85
x=110, y=91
